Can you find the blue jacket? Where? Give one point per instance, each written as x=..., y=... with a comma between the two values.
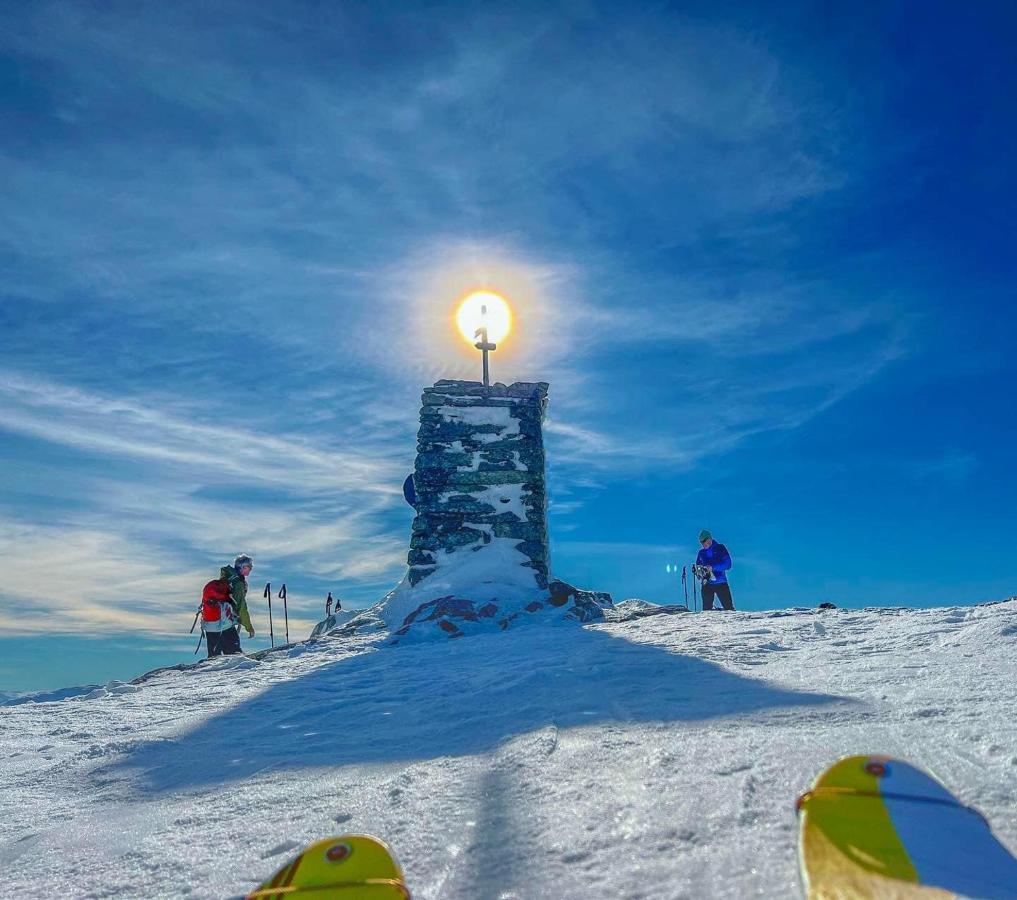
x=718, y=559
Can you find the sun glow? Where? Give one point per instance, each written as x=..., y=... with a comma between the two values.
x=498, y=317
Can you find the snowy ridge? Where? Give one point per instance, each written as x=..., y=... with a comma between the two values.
x=658, y=756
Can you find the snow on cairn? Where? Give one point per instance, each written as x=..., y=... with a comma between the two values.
x=478, y=558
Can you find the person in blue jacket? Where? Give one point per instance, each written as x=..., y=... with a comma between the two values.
x=715, y=556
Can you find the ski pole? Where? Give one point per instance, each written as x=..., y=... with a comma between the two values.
x=685, y=585
x=268, y=594
x=286, y=614
x=201, y=635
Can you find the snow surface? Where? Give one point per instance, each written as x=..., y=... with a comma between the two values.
x=658, y=757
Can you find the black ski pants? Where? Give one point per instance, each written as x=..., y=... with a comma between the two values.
x=223, y=642
x=721, y=591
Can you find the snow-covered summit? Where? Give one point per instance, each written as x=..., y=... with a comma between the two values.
x=657, y=756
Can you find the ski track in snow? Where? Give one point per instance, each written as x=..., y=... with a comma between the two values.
x=659, y=757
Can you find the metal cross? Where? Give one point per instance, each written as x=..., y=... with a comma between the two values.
x=484, y=345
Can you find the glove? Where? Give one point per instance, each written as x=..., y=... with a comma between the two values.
x=250, y=632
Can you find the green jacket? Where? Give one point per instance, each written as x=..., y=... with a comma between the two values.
x=238, y=594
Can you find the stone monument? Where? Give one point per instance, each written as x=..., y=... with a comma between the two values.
x=478, y=553
x=479, y=474
x=479, y=557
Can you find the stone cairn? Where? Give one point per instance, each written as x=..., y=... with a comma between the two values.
x=479, y=481
x=478, y=555
x=479, y=473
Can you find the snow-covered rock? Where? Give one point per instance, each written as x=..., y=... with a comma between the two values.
x=337, y=621
x=640, y=609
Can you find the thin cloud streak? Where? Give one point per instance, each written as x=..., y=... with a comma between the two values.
x=121, y=566
x=248, y=196
x=688, y=429
x=94, y=582
x=122, y=427
x=100, y=579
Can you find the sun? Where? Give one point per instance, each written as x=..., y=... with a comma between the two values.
x=471, y=315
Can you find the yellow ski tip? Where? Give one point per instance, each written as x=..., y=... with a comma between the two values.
x=348, y=867
x=879, y=827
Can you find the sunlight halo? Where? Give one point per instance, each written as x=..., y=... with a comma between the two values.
x=498, y=319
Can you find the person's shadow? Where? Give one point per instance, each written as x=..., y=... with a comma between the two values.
x=448, y=698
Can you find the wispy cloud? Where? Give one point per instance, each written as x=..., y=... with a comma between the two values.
x=59, y=579
x=119, y=569
x=99, y=583
x=686, y=409
x=122, y=427
x=324, y=161
x=131, y=558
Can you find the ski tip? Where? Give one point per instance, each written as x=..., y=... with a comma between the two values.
x=345, y=866
x=877, y=826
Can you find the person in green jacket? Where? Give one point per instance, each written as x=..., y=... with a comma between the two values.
x=227, y=641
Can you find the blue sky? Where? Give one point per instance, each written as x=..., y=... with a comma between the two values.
x=765, y=259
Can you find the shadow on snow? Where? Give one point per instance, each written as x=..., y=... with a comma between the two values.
x=450, y=698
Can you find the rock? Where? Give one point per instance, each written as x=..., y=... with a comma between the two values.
x=535, y=550
x=587, y=606
x=520, y=531
x=446, y=461
x=417, y=574
x=639, y=609
x=455, y=503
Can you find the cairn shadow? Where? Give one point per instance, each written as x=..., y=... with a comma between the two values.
x=416, y=702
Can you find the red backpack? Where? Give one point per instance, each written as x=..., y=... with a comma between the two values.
x=213, y=596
